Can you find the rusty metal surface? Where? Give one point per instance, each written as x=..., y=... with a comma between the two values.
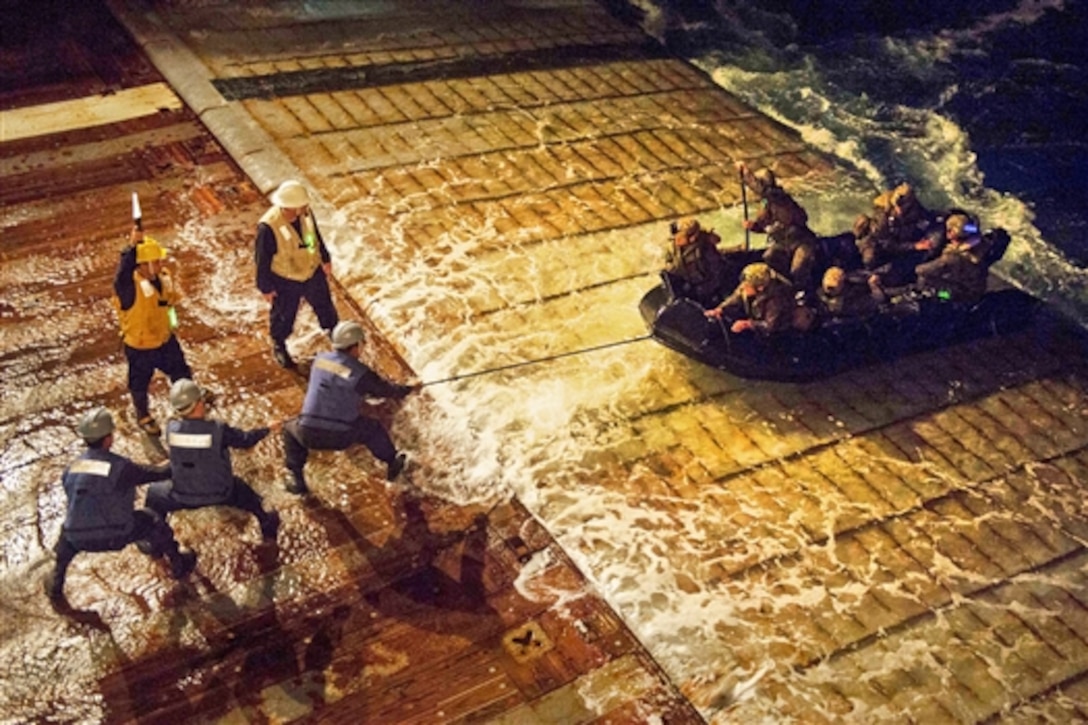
x=900, y=543
x=377, y=604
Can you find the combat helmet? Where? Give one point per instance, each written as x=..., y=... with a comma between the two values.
x=763, y=180
x=757, y=274
x=834, y=281
x=955, y=227
x=688, y=226
x=686, y=230
x=903, y=196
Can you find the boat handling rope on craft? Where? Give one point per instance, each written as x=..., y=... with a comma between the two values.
x=548, y=358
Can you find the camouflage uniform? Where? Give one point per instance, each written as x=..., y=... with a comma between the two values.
x=770, y=309
x=791, y=249
x=843, y=295
x=695, y=262
x=899, y=221
x=960, y=270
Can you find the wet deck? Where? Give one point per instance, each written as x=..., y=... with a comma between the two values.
x=588, y=536
x=375, y=606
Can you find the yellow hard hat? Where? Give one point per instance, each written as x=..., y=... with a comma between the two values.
x=149, y=251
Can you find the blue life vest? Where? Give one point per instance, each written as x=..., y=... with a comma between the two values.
x=202, y=472
x=332, y=403
x=98, y=506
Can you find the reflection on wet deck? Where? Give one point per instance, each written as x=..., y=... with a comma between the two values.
x=590, y=536
x=377, y=604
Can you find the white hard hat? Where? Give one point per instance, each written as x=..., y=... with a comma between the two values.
x=290, y=195
x=96, y=425
x=346, y=334
x=184, y=395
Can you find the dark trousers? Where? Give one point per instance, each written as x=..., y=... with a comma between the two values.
x=147, y=526
x=281, y=318
x=142, y=365
x=299, y=440
x=162, y=499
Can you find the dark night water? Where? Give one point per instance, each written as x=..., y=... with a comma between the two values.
x=979, y=105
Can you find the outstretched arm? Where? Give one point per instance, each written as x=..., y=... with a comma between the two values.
x=238, y=438
x=137, y=474
x=372, y=385
x=123, y=285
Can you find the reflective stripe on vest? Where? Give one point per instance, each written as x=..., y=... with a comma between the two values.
x=332, y=402
x=296, y=257
x=146, y=325
x=98, y=508
x=200, y=462
x=94, y=468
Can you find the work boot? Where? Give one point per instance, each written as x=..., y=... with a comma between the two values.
x=396, y=467
x=270, y=526
x=182, y=564
x=297, y=485
x=283, y=358
x=54, y=589
x=150, y=426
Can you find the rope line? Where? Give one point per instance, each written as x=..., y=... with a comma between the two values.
x=548, y=358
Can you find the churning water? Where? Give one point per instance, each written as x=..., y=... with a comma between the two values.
x=981, y=106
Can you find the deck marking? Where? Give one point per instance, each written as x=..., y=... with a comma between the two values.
x=123, y=105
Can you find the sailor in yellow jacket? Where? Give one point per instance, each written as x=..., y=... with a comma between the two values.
x=145, y=297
